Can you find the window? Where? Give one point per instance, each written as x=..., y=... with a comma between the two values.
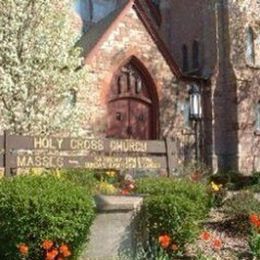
x=71, y=98
x=258, y=116
x=195, y=55
x=250, y=48
x=185, y=57
x=156, y=4
x=186, y=113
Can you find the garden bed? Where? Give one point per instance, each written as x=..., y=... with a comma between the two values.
x=175, y=218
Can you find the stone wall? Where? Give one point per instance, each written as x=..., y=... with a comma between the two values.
x=247, y=76
x=121, y=44
x=232, y=92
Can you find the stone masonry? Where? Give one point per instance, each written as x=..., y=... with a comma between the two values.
x=232, y=90
x=130, y=38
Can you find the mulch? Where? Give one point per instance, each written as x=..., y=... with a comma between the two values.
x=233, y=233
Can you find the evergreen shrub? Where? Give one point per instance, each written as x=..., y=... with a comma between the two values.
x=34, y=209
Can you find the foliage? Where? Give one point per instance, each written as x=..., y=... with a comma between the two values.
x=148, y=251
x=254, y=244
x=106, y=188
x=235, y=180
x=243, y=203
x=196, y=171
x=162, y=186
x=37, y=66
x=82, y=177
x=38, y=208
x=254, y=239
x=256, y=185
x=218, y=193
x=175, y=208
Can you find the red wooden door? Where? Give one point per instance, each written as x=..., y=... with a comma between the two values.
x=129, y=106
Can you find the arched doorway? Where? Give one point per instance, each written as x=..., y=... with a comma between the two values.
x=132, y=104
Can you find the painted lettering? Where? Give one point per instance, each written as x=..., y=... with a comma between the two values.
x=47, y=143
x=40, y=161
x=87, y=144
x=128, y=146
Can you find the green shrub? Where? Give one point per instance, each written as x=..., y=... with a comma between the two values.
x=36, y=208
x=235, y=180
x=173, y=207
x=81, y=177
x=254, y=244
x=162, y=186
x=243, y=203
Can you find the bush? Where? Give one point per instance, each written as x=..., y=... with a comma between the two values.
x=235, y=180
x=243, y=203
x=81, y=177
x=38, y=208
x=173, y=207
x=163, y=186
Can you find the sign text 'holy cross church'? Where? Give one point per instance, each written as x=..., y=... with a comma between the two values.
x=90, y=153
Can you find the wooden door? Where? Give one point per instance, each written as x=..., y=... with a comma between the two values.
x=130, y=108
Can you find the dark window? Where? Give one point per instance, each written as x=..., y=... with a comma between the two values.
x=250, y=50
x=156, y=3
x=195, y=55
x=185, y=57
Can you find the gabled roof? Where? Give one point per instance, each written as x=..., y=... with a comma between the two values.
x=96, y=35
x=89, y=40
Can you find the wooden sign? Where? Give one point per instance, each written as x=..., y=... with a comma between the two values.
x=34, y=152
x=96, y=145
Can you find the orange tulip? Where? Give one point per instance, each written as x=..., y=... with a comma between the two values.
x=124, y=192
x=217, y=244
x=23, y=249
x=47, y=244
x=205, y=235
x=258, y=223
x=64, y=250
x=254, y=220
x=164, y=241
x=51, y=254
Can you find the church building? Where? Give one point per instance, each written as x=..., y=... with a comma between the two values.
x=188, y=70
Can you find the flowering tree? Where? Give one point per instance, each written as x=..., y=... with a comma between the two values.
x=38, y=66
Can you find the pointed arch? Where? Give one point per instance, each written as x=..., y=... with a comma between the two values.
x=133, y=83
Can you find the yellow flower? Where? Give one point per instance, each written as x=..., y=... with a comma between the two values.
x=111, y=173
x=106, y=188
x=215, y=187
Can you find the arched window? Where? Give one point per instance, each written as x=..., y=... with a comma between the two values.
x=257, y=116
x=195, y=55
x=185, y=58
x=250, y=48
